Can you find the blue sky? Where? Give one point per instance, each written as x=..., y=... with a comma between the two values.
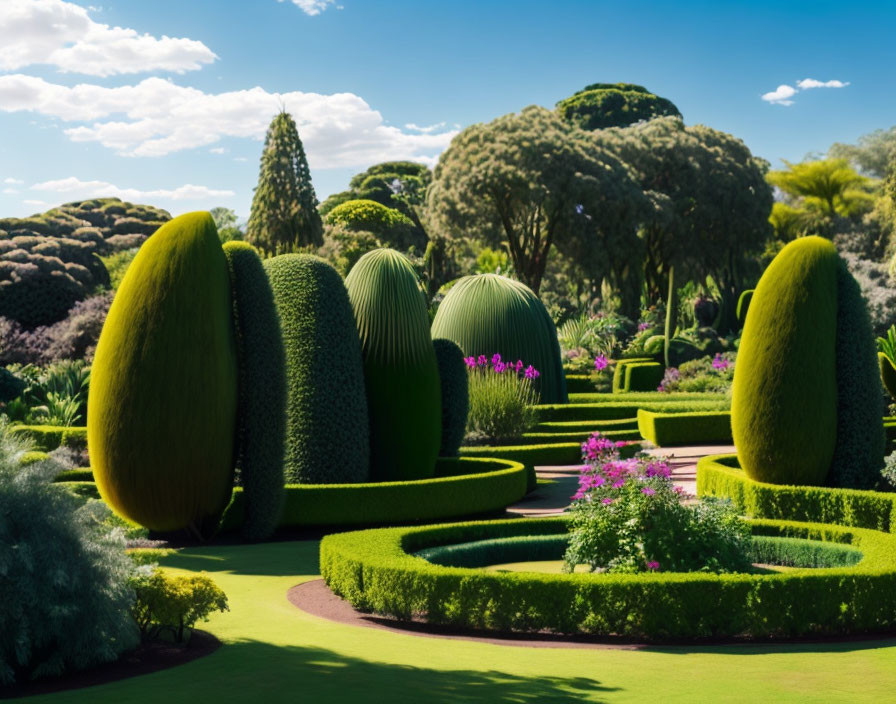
x=165, y=102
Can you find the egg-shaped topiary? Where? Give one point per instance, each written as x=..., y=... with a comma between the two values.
x=784, y=397
x=455, y=384
x=163, y=388
x=400, y=370
x=489, y=314
x=261, y=408
x=327, y=436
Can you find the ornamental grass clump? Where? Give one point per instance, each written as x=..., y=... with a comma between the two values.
x=628, y=516
x=502, y=396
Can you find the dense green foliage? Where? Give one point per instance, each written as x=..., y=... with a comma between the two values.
x=163, y=392
x=48, y=437
x=501, y=407
x=376, y=571
x=63, y=577
x=455, y=386
x=887, y=373
x=400, y=370
x=174, y=604
x=489, y=314
x=603, y=105
x=261, y=405
x=389, y=225
x=327, y=434
x=463, y=486
x=859, y=450
x=784, y=403
x=284, y=212
x=793, y=552
x=721, y=475
x=704, y=428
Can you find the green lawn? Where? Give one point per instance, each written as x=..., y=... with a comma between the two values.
x=275, y=653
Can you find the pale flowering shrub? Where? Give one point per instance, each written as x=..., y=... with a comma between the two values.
x=628, y=516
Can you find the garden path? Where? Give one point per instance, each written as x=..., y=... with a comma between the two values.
x=557, y=484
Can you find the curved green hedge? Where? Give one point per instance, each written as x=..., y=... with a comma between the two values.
x=700, y=428
x=570, y=412
x=462, y=487
x=721, y=475
x=376, y=571
x=48, y=437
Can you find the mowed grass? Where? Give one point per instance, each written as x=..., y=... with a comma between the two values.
x=275, y=653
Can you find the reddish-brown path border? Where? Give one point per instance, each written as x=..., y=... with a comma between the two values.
x=147, y=658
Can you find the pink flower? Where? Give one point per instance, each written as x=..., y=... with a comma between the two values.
x=600, y=362
x=482, y=361
x=500, y=367
x=496, y=359
x=532, y=372
x=619, y=484
x=720, y=362
x=649, y=490
x=607, y=501
x=471, y=361
x=653, y=565
x=643, y=326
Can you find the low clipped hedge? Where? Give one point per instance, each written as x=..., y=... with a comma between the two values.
x=663, y=429
x=644, y=397
x=579, y=383
x=579, y=436
x=619, y=372
x=376, y=571
x=721, y=475
x=587, y=426
x=462, y=487
x=643, y=376
x=569, y=412
x=47, y=438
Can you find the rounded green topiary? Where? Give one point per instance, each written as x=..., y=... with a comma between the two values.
x=327, y=439
x=163, y=389
x=859, y=452
x=784, y=404
x=489, y=313
x=261, y=408
x=400, y=370
x=455, y=382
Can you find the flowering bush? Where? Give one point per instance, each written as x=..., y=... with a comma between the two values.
x=589, y=336
x=502, y=395
x=713, y=374
x=628, y=516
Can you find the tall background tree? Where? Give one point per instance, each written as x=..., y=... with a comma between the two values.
x=284, y=215
x=601, y=105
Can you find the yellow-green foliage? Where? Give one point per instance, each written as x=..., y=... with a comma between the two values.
x=400, y=370
x=163, y=390
x=784, y=397
x=887, y=373
x=175, y=603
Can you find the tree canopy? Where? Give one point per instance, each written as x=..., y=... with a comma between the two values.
x=602, y=105
x=872, y=154
x=284, y=215
x=829, y=186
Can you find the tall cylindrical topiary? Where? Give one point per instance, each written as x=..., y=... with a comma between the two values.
x=489, y=313
x=455, y=384
x=261, y=406
x=671, y=318
x=400, y=370
x=163, y=389
x=784, y=405
x=327, y=436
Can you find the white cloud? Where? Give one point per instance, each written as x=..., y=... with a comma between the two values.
x=74, y=188
x=13, y=181
x=312, y=7
x=62, y=34
x=35, y=202
x=781, y=95
x=156, y=117
x=10, y=191
x=808, y=83
x=425, y=130
x=218, y=150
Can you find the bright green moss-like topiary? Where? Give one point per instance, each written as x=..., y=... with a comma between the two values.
x=784, y=398
x=858, y=454
x=261, y=409
x=455, y=383
x=163, y=389
x=489, y=314
x=327, y=439
x=400, y=370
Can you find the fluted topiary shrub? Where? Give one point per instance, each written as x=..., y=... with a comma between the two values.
x=489, y=314
x=455, y=383
x=163, y=389
x=327, y=439
x=858, y=454
x=784, y=404
x=400, y=370
x=261, y=408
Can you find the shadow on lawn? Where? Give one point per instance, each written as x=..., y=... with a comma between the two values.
x=279, y=559
x=328, y=676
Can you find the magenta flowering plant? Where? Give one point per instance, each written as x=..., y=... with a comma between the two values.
x=600, y=363
x=502, y=396
x=628, y=516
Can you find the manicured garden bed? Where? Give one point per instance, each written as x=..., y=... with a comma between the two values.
x=696, y=428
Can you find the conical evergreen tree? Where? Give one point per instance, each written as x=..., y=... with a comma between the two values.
x=284, y=213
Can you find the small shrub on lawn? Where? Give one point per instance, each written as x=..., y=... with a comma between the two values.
x=174, y=604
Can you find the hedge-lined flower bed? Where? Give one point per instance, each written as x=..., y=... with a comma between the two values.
x=720, y=475
x=377, y=571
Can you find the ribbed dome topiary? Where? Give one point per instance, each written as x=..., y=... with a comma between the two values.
x=784, y=405
x=163, y=389
x=400, y=371
x=455, y=382
x=327, y=440
x=261, y=408
x=488, y=314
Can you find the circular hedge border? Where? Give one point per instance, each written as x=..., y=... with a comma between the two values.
x=377, y=571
